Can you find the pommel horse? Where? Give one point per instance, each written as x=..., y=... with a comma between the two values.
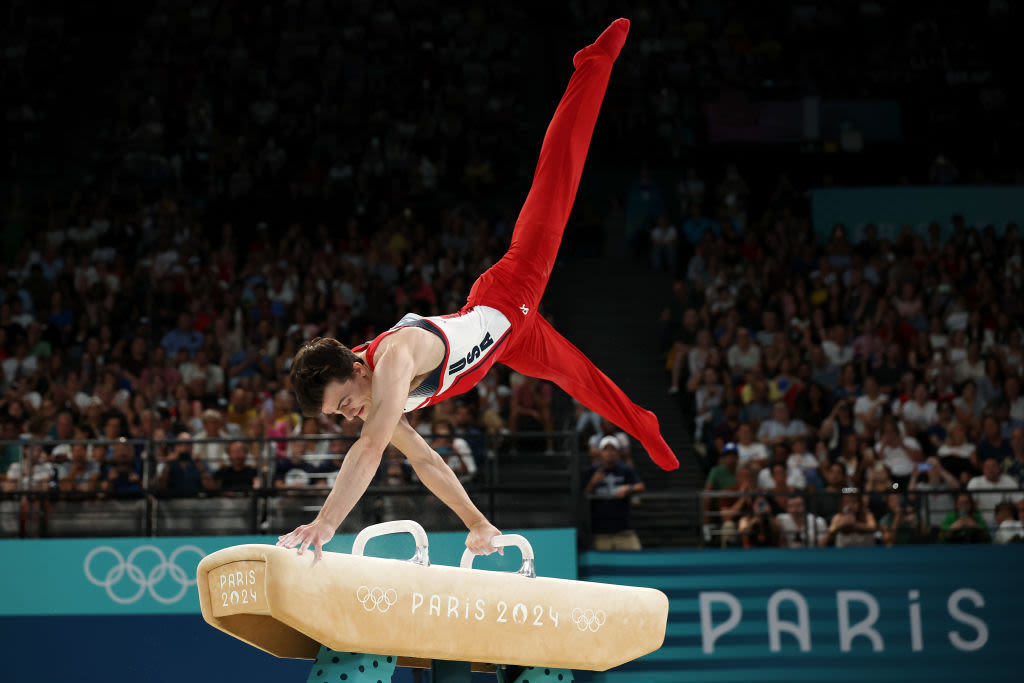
x=360, y=616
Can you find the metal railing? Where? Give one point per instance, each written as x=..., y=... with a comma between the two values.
x=927, y=508
x=522, y=479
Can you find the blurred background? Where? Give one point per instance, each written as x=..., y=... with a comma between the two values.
x=796, y=241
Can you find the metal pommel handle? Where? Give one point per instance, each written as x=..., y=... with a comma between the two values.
x=399, y=526
x=528, y=569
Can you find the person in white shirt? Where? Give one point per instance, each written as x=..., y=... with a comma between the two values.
x=751, y=452
x=991, y=488
x=1011, y=387
x=867, y=410
x=957, y=454
x=970, y=367
x=919, y=412
x=837, y=347
x=932, y=476
x=1009, y=529
x=744, y=355
x=780, y=429
x=800, y=529
x=899, y=453
x=802, y=459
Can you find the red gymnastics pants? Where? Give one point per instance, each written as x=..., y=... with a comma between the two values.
x=515, y=284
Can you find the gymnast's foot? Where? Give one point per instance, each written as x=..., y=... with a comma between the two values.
x=610, y=42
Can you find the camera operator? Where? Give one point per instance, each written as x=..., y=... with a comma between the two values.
x=758, y=527
x=182, y=475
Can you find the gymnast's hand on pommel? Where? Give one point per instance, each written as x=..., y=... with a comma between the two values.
x=316, y=534
x=479, y=538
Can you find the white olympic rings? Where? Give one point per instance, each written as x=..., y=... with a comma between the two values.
x=380, y=599
x=588, y=619
x=126, y=566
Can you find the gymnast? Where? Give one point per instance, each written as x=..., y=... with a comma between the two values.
x=423, y=361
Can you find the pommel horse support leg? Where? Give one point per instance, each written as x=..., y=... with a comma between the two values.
x=416, y=614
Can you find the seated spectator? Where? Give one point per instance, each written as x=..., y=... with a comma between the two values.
x=898, y=453
x=727, y=429
x=781, y=481
x=758, y=527
x=918, y=412
x=827, y=502
x=992, y=487
x=938, y=430
x=709, y=392
x=722, y=476
x=992, y=444
x=854, y=525
x=237, y=475
x=1008, y=526
x=878, y=484
x=240, y=410
x=901, y=524
x=744, y=355
x=732, y=508
x=455, y=451
x=868, y=408
x=610, y=485
x=184, y=336
x=781, y=429
x=1014, y=466
x=958, y=455
x=812, y=405
x=294, y=472
x=81, y=473
x=849, y=456
x=823, y=371
x=837, y=426
x=760, y=407
x=205, y=380
x=183, y=475
x=38, y=476
x=283, y=421
x=964, y=524
x=751, y=452
x=212, y=454
x=121, y=474
x=394, y=469
x=969, y=408
x=801, y=459
x=800, y=529
x=938, y=484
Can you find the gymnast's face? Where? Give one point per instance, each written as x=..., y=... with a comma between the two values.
x=350, y=398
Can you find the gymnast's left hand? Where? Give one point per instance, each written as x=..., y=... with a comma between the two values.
x=315, y=534
x=479, y=538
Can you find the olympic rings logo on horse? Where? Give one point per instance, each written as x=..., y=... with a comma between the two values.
x=588, y=619
x=126, y=568
x=376, y=598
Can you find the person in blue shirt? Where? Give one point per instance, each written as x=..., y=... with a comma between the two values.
x=182, y=337
x=610, y=485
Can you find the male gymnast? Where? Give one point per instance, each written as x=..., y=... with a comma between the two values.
x=423, y=361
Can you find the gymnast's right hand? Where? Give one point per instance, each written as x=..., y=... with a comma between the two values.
x=315, y=534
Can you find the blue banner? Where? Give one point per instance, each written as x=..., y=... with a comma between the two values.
x=913, y=613
x=890, y=208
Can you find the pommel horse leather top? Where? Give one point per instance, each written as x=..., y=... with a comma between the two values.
x=287, y=605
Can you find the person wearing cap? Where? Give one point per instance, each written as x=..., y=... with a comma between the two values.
x=610, y=483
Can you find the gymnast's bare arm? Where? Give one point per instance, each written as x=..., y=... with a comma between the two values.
x=435, y=474
x=395, y=368
x=399, y=359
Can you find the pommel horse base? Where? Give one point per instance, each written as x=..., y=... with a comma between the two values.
x=360, y=616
